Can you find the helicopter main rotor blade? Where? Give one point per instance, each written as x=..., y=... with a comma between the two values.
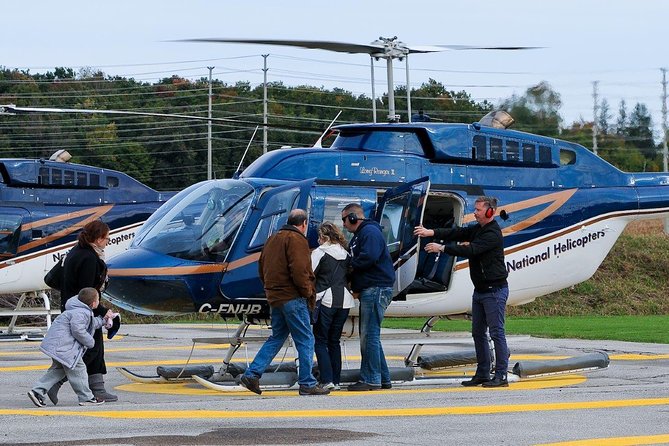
x=477, y=47
x=355, y=48
x=341, y=47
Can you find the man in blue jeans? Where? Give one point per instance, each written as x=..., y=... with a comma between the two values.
x=285, y=271
x=372, y=276
x=484, y=247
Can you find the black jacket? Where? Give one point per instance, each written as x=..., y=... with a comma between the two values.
x=485, y=252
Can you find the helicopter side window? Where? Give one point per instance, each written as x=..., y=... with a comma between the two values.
x=274, y=216
x=43, y=177
x=10, y=231
x=479, y=148
x=529, y=153
x=512, y=151
x=82, y=179
x=567, y=157
x=112, y=181
x=496, y=149
x=68, y=177
x=545, y=156
x=56, y=176
x=94, y=180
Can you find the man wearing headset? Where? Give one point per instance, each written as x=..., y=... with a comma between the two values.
x=372, y=277
x=483, y=245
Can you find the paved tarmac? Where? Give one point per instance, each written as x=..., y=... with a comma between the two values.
x=627, y=403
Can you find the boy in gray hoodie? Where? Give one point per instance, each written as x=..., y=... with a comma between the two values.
x=65, y=342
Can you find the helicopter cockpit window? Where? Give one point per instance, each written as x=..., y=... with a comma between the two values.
x=275, y=215
x=10, y=231
x=201, y=224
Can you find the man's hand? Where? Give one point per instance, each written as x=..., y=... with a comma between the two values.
x=420, y=231
x=433, y=247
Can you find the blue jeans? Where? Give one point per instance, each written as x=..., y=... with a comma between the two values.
x=373, y=304
x=291, y=318
x=488, y=311
x=327, y=332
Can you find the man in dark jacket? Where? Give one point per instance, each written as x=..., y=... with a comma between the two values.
x=285, y=271
x=373, y=277
x=484, y=247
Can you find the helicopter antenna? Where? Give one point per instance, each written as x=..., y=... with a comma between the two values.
x=319, y=143
x=245, y=152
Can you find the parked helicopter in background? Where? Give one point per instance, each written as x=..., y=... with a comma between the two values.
x=43, y=204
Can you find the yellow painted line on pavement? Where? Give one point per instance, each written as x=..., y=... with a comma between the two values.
x=615, y=441
x=340, y=413
x=636, y=357
x=191, y=388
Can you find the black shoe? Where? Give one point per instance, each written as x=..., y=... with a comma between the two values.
x=386, y=385
x=92, y=402
x=314, y=390
x=361, y=386
x=36, y=399
x=497, y=382
x=253, y=384
x=475, y=381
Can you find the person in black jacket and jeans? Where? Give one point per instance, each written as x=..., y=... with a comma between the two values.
x=483, y=244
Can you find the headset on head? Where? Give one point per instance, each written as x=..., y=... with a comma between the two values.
x=352, y=218
x=489, y=212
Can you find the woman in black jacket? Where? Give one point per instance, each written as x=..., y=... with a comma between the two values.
x=85, y=267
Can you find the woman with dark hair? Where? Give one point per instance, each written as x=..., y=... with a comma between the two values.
x=330, y=264
x=85, y=267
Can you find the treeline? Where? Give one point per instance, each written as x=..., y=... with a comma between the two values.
x=170, y=153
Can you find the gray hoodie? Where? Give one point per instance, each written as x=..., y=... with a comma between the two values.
x=71, y=334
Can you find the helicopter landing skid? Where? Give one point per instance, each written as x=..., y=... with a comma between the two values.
x=145, y=379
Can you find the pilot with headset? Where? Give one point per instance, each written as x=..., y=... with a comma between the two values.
x=372, y=277
x=484, y=247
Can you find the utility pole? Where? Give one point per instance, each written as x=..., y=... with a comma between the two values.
x=209, y=157
x=264, y=104
x=595, y=112
x=664, y=117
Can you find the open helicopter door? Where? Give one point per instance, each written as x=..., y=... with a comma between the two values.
x=398, y=212
x=265, y=217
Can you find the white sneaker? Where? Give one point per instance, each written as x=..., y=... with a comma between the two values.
x=331, y=386
x=92, y=402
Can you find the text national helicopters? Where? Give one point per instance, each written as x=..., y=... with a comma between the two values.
x=564, y=208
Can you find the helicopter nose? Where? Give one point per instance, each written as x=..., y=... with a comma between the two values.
x=149, y=283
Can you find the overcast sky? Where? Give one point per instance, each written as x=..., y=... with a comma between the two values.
x=620, y=43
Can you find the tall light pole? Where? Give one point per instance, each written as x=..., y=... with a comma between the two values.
x=664, y=117
x=209, y=156
x=595, y=109
x=264, y=104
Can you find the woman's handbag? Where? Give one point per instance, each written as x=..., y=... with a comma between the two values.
x=54, y=278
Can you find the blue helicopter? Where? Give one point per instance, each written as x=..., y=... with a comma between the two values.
x=561, y=210
x=43, y=204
